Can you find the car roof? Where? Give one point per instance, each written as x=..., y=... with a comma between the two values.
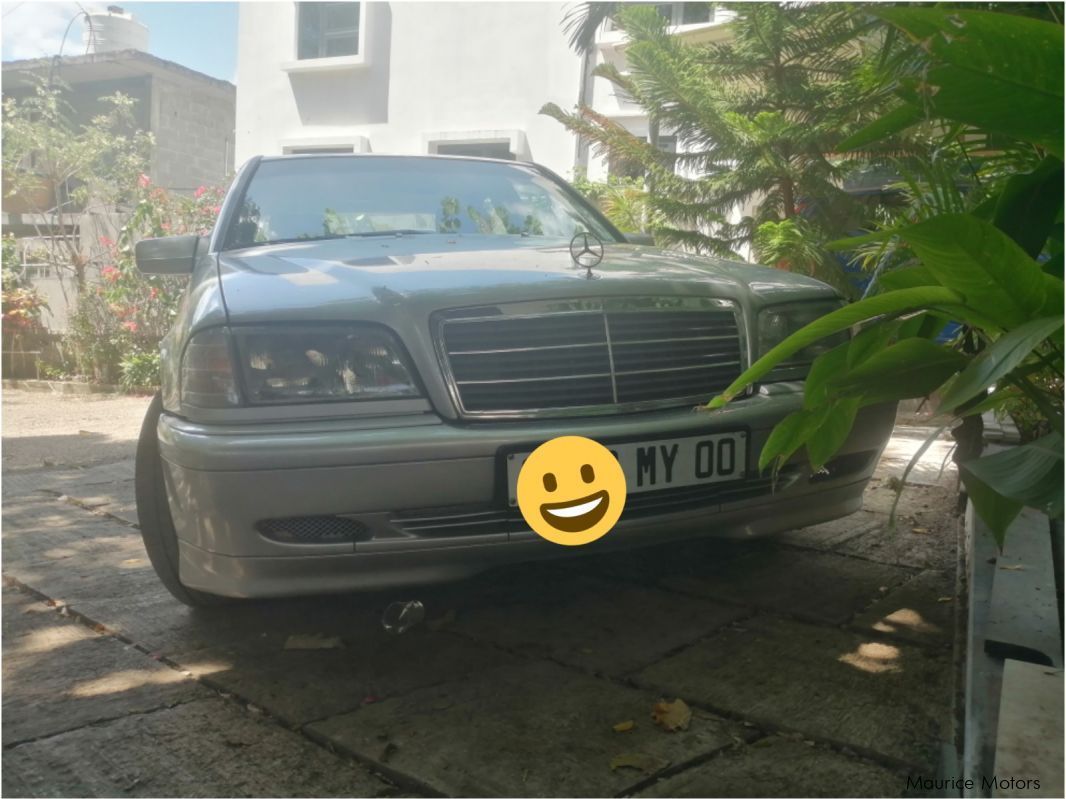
x=431, y=157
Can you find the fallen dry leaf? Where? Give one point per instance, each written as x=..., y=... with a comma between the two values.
x=920, y=530
x=1017, y=567
x=624, y=726
x=641, y=761
x=313, y=642
x=945, y=599
x=671, y=716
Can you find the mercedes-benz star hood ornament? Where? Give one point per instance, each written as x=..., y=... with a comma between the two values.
x=587, y=250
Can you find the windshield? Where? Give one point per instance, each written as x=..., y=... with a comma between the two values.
x=303, y=199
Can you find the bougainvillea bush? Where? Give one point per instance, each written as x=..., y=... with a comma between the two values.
x=116, y=328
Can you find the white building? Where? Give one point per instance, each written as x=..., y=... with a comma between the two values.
x=412, y=77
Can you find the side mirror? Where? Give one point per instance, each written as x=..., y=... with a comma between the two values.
x=646, y=239
x=172, y=255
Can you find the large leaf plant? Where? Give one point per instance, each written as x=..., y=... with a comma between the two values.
x=996, y=269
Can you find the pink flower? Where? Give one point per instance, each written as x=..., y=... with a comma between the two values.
x=199, y=192
x=153, y=293
x=110, y=274
x=143, y=181
x=106, y=242
x=215, y=210
x=165, y=226
x=130, y=326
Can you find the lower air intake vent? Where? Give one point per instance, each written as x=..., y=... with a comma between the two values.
x=314, y=530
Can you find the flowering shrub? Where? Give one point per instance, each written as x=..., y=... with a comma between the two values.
x=120, y=320
x=21, y=303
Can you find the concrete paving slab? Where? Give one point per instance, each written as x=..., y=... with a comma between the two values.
x=68, y=481
x=55, y=430
x=776, y=766
x=300, y=686
x=600, y=626
x=531, y=730
x=831, y=534
x=205, y=748
x=826, y=683
x=30, y=624
x=921, y=610
x=880, y=495
x=649, y=565
x=58, y=675
x=818, y=586
x=935, y=466
x=925, y=536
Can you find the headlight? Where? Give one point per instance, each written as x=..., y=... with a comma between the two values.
x=207, y=376
x=288, y=364
x=780, y=321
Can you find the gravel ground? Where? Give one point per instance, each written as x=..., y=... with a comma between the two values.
x=55, y=430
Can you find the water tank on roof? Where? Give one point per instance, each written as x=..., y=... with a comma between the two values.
x=114, y=29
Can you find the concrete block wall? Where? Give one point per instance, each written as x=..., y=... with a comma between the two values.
x=194, y=131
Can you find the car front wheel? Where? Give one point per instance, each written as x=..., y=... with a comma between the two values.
x=153, y=513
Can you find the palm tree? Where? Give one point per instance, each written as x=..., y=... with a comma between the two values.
x=759, y=115
x=583, y=20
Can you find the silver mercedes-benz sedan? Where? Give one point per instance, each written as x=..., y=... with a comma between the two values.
x=370, y=345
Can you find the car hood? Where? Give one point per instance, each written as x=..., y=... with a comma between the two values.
x=338, y=278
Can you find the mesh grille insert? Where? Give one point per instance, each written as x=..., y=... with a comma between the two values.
x=314, y=530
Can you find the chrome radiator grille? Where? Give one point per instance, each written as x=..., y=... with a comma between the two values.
x=608, y=354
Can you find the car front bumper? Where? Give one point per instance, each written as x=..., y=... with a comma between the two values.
x=430, y=498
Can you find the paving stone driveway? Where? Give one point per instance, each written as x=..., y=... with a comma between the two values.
x=817, y=663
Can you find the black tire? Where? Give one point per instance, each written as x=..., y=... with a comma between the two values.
x=153, y=514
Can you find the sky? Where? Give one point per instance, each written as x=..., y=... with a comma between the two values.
x=201, y=36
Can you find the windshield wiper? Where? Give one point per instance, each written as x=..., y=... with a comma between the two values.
x=293, y=240
x=326, y=237
x=397, y=232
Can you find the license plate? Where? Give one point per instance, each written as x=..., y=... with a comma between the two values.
x=665, y=463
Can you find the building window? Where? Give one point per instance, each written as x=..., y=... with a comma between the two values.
x=327, y=30
x=489, y=149
x=686, y=13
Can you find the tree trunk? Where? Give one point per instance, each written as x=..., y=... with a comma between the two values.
x=788, y=197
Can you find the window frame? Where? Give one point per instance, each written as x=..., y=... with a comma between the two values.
x=330, y=63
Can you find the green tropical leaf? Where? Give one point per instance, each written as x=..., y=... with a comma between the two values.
x=1029, y=205
x=997, y=360
x=999, y=72
x=995, y=510
x=907, y=277
x=830, y=436
x=1053, y=294
x=1031, y=474
x=983, y=264
x=789, y=435
x=823, y=369
x=892, y=303
x=869, y=342
x=839, y=245
x=895, y=121
x=910, y=368
x=1053, y=266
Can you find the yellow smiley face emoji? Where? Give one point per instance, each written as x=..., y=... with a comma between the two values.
x=571, y=490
